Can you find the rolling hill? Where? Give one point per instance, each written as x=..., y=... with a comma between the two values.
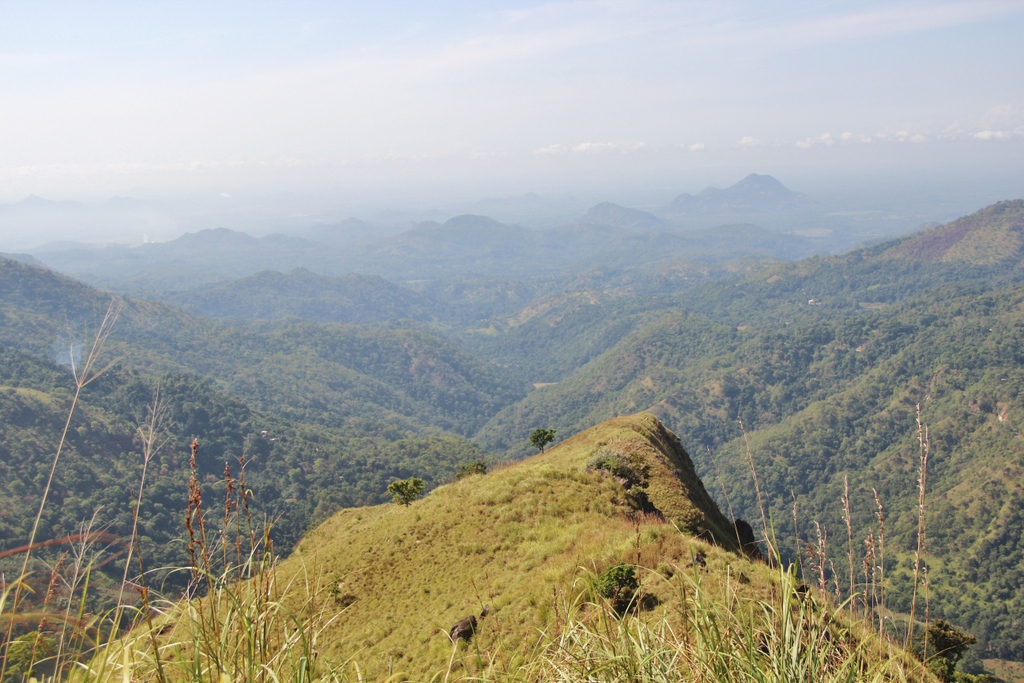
x=302, y=294
x=404, y=375
x=754, y=194
x=516, y=540
x=328, y=415
x=822, y=362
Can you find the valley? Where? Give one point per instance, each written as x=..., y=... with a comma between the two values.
x=810, y=370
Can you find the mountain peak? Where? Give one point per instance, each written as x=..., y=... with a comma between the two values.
x=754, y=194
x=214, y=237
x=764, y=183
x=987, y=237
x=607, y=213
x=472, y=221
x=511, y=538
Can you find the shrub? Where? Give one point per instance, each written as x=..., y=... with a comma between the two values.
x=632, y=472
x=618, y=585
x=946, y=646
x=541, y=438
x=471, y=468
x=405, y=491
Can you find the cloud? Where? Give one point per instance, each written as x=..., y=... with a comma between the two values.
x=998, y=134
x=551, y=149
x=696, y=147
x=747, y=141
x=595, y=147
x=824, y=139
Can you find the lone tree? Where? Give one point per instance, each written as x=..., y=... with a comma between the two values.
x=619, y=585
x=946, y=646
x=471, y=468
x=541, y=438
x=405, y=491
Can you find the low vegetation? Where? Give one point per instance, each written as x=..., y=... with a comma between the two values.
x=603, y=557
x=578, y=585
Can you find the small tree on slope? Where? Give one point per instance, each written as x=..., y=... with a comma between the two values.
x=541, y=438
x=405, y=491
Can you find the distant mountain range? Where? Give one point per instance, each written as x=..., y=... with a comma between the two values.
x=270, y=295
x=754, y=194
x=617, y=216
x=757, y=217
x=811, y=369
x=606, y=236
x=754, y=197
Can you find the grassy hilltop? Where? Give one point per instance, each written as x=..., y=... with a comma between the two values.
x=824, y=361
x=514, y=539
x=522, y=540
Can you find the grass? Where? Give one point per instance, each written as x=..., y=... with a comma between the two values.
x=526, y=541
x=238, y=620
x=242, y=630
x=372, y=593
x=716, y=633
x=514, y=539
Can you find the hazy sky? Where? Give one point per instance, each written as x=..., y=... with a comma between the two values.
x=466, y=99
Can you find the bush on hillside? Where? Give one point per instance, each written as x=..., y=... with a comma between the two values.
x=618, y=584
x=405, y=491
x=946, y=645
x=632, y=471
x=541, y=438
x=471, y=468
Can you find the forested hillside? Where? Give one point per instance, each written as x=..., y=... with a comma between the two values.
x=302, y=294
x=823, y=362
x=326, y=416
x=402, y=374
x=301, y=473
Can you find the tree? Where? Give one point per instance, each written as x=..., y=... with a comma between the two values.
x=618, y=584
x=947, y=644
x=541, y=438
x=26, y=653
x=405, y=491
x=471, y=468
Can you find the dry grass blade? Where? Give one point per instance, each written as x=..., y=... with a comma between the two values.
x=84, y=375
x=757, y=488
x=90, y=537
x=922, y=480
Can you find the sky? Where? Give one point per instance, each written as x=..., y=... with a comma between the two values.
x=454, y=101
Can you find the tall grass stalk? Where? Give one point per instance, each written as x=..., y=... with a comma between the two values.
x=849, y=542
x=723, y=638
x=83, y=376
x=880, y=515
x=732, y=514
x=757, y=488
x=922, y=479
x=152, y=438
x=796, y=529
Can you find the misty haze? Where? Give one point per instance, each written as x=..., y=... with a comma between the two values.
x=517, y=341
